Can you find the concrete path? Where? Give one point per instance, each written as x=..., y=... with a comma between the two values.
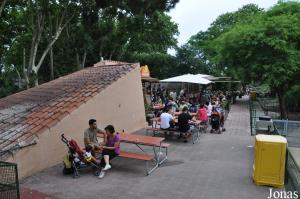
x=218, y=166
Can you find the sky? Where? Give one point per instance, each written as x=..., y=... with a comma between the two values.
x=195, y=15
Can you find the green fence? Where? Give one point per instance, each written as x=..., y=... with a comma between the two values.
x=9, y=183
x=286, y=128
x=292, y=174
x=255, y=111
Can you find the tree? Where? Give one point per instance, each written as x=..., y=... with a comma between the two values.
x=267, y=45
x=161, y=65
x=137, y=6
x=45, y=39
x=37, y=12
x=196, y=53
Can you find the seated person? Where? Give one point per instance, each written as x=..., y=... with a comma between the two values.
x=166, y=119
x=90, y=137
x=172, y=104
x=111, y=149
x=183, y=122
x=182, y=104
x=208, y=108
x=193, y=108
x=202, y=114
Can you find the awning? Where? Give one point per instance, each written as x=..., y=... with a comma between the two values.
x=188, y=78
x=209, y=77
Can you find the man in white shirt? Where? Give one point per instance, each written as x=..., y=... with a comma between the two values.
x=166, y=119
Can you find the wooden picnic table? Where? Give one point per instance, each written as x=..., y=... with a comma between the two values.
x=141, y=139
x=156, y=121
x=155, y=142
x=158, y=106
x=178, y=113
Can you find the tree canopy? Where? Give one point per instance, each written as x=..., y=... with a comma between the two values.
x=42, y=40
x=45, y=39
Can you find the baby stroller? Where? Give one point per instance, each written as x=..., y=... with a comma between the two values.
x=215, y=122
x=78, y=159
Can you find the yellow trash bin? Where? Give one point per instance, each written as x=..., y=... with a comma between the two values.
x=253, y=95
x=269, y=160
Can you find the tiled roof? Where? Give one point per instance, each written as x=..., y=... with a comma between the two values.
x=25, y=114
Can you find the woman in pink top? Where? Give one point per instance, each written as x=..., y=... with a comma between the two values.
x=202, y=114
x=111, y=148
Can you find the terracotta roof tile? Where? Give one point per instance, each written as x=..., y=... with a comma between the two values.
x=24, y=114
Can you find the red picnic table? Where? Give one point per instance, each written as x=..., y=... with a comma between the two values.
x=158, y=106
x=197, y=124
x=141, y=140
x=192, y=114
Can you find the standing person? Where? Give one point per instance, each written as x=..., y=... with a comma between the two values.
x=183, y=123
x=182, y=93
x=110, y=150
x=90, y=137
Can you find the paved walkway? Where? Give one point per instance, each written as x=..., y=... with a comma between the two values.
x=219, y=166
x=33, y=194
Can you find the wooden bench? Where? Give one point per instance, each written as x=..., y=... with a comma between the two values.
x=146, y=157
x=158, y=130
x=137, y=156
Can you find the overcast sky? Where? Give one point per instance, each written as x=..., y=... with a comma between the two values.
x=195, y=15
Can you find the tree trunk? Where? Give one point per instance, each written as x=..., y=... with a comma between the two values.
x=111, y=54
x=51, y=64
x=2, y=6
x=36, y=80
x=25, y=73
x=78, y=61
x=19, y=79
x=38, y=28
x=80, y=64
x=283, y=112
x=51, y=49
x=83, y=59
x=100, y=51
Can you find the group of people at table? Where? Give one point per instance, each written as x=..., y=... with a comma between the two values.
x=184, y=120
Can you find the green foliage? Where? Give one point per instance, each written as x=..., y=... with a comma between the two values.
x=264, y=49
x=197, y=55
x=119, y=30
x=263, y=90
x=269, y=46
x=292, y=97
x=161, y=65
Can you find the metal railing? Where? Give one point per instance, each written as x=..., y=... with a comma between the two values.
x=269, y=105
x=9, y=181
x=286, y=128
x=255, y=112
x=292, y=174
x=290, y=130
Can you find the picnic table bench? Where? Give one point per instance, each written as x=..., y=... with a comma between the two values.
x=195, y=133
x=141, y=140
